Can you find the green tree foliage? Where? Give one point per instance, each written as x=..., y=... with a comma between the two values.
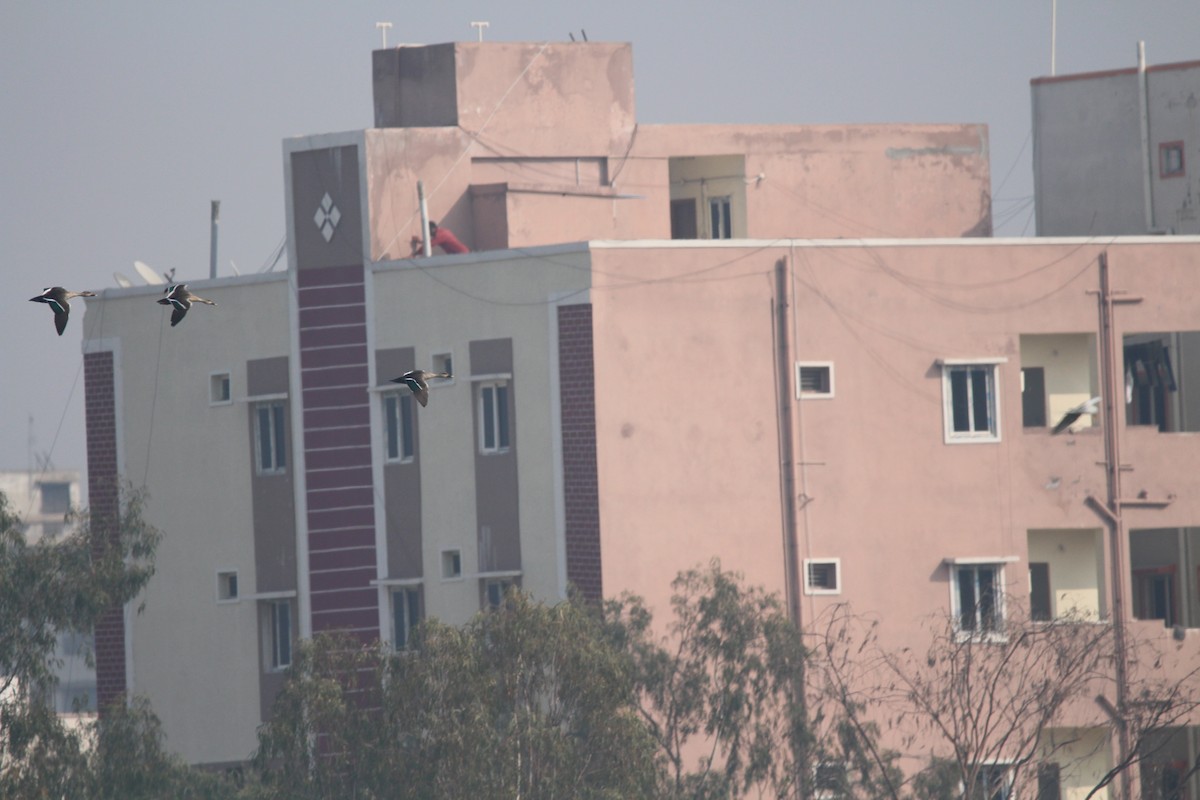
x=529, y=701
x=725, y=681
x=65, y=585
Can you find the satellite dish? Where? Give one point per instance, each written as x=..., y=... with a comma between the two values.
x=151, y=277
x=122, y=281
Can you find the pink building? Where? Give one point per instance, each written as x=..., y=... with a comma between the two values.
x=625, y=384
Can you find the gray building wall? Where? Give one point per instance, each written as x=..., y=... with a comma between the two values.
x=1090, y=164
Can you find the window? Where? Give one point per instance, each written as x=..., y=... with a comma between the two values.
x=56, y=497
x=1033, y=397
x=493, y=417
x=227, y=585
x=993, y=782
x=1154, y=594
x=279, y=629
x=218, y=389
x=1040, y=607
x=718, y=209
x=494, y=590
x=969, y=395
x=398, y=423
x=443, y=362
x=821, y=576
x=1170, y=160
x=978, y=606
x=1049, y=784
x=270, y=436
x=451, y=564
x=814, y=379
x=406, y=615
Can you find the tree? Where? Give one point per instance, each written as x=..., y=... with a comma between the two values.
x=527, y=701
x=64, y=585
x=46, y=588
x=995, y=698
x=725, y=677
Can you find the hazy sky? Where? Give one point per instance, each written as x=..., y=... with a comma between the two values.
x=121, y=121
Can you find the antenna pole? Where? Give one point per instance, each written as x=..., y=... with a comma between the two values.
x=212, y=249
x=480, y=26
x=383, y=29
x=1053, y=32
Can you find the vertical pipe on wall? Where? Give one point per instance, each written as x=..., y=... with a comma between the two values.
x=786, y=405
x=1144, y=124
x=1111, y=387
x=426, y=247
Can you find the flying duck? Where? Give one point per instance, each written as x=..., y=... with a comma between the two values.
x=58, y=299
x=1087, y=407
x=417, y=380
x=177, y=295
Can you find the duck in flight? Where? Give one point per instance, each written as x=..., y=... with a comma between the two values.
x=418, y=381
x=58, y=299
x=178, y=296
x=1087, y=407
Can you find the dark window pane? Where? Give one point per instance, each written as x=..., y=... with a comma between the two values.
x=406, y=426
x=393, y=429
x=1039, y=591
x=958, y=400
x=280, y=456
x=966, y=598
x=489, y=420
x=264, y=438
x=400, y=619
x=502, y=416
x=56, y=498
x=980, y=399
x=987, y=598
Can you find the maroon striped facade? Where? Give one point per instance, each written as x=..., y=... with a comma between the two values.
x=581, y=493
x=104, y=497
x=337, y=450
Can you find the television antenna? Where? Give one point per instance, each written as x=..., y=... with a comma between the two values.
x=383, y=29
x=479, y=26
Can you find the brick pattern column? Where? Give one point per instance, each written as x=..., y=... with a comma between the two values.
x=576, y=375
x=104, y=499
x=337, y=450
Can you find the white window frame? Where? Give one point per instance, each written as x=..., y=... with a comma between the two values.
x=447, y=560
x=443, y=361
x=213, y=378
x=951, y=366
x=406, y=618
x=801, y=394
x=277, y=429
x=997, y=632
x=223, y=576
x=499, y=422
x=397, y=407
x=836, y=563
x=278, y=639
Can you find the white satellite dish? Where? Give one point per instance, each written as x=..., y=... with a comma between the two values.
x=151, y=277
x=122, y=281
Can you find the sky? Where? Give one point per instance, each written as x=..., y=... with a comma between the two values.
x=122, y=121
